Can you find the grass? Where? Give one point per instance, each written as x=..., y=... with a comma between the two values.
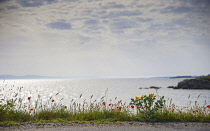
x=181, y=116
x=15, y=109
x=205, y=78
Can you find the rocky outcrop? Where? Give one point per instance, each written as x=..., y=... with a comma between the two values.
x=197, y=83
x=151, y=87
x=154, y=87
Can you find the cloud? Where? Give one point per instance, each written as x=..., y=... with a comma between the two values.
x=2, y=9
x=190, y=6
x=119, y=13
x=91, y=22
x=35, y=3
x=92, y=26
x=60, y=25
x=4, y=1
x=12, y=7
x=99, y=32
x=144, y=5
x=203, y=3
x=113, y=5
x=84, y=39
x=144, y=19
x=178, y=10
x=123, y=24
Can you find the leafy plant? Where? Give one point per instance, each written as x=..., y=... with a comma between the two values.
x=147, y=106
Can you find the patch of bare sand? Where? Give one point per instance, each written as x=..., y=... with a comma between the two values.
x=124, y=126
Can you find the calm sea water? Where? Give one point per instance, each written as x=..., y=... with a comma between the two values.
x=123, y=89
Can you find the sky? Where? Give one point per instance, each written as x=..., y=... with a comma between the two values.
x=106, y=38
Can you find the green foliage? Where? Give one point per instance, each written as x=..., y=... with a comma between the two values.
x=179, y=116
x=8, y=123
x=9, y=113
x=147, y=106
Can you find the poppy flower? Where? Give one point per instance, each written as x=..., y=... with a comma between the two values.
x=112, y=109
x=31, y=109
x=208, y=106
x=104, y=103
x=120, y=108
x=110, y=104
x=172, y=110
x=132, y=106
x=29, y=98
x=53, y=100
x=65, y=106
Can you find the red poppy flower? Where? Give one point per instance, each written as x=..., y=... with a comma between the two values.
x=65, y=106
x=132, y=106
x=172, y=110
x=29, y=98
x=53, y=100
x=112, y=109
x=120, y=108
x=104, y=103
x=31, y=109
x=208, y=106
x=110, y=104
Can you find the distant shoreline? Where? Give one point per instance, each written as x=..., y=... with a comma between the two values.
x=2, y=77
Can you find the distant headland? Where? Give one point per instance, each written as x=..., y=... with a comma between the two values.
x=202, y=82
x=91, y=77
x=27, y=77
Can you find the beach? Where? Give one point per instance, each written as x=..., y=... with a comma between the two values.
x=124, y=126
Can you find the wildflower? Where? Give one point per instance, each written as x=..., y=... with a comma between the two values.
x=208, y=106
x=132, y=106
x=112, y=109
x=110, y=104
x=142, y=96
x=119, y=108
x=195, y=111
x=53, y=100
x=29, y=98
x=31, y=109
x=151, y=95
x=65, y=106
x=138, y=97
x=104, y=103
x=172, y=110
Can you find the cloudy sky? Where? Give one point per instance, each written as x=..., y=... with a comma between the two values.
x=109, y=38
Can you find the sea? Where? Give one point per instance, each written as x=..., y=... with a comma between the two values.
x=109, y=90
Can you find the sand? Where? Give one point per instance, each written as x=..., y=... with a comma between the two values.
x=124, y=126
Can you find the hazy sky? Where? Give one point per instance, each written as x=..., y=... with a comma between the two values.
x=117, y=38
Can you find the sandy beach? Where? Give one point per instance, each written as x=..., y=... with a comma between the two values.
x=132, y=126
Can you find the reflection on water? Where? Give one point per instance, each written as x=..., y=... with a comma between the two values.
x=123, y=89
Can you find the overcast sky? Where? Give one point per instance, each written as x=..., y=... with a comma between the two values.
x=109, y=38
